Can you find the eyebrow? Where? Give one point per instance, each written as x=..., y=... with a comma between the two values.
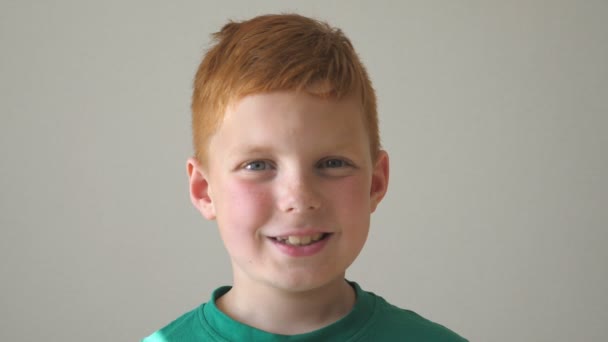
x=249, y=149
x=261, y=150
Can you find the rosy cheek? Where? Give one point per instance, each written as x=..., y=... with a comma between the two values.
x=248, y=204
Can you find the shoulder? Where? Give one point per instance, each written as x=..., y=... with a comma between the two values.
x=394, y=322
x=184, y=328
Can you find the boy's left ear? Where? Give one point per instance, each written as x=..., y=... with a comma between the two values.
x=379, y=184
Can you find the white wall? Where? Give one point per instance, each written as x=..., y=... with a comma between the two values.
x=494, y=113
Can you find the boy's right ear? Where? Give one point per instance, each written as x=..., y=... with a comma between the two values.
x=200, y=194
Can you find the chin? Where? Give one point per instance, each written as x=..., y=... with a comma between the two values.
x=304, y=282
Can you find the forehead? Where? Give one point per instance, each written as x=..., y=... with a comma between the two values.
x=292, y=117
x=292, y=109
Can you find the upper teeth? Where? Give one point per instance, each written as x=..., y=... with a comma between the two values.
x=300, y=240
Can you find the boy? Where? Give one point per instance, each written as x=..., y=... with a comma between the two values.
x=288, y=161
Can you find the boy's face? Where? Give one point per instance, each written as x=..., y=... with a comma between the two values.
x=292, y=185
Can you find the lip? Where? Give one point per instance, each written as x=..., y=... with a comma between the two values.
x=301, y=251
x=309, y=232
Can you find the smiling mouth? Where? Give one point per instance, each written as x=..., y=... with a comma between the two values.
x=305, y=240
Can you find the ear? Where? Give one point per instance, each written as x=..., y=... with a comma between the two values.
x=200, y=194
x=379, y=184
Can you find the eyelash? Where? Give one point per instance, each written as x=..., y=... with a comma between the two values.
x=248, y=165
x=322, y=164
x=342, y=162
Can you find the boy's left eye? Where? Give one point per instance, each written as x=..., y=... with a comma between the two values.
x=332, y=163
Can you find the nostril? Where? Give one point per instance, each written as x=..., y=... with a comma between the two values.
x=298, y=196
x=313, y=206
x=299, y=207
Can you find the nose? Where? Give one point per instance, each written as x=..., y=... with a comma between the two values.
x=298, y=193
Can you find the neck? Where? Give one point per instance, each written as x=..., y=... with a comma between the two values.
x=287, y=312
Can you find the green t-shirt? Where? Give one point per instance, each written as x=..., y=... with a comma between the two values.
x=371, y=319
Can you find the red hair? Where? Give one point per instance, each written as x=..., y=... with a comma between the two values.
x=273, y=53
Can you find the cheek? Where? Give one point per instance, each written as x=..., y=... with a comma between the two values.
x=351, y=200
x=243, y=205
x=351, y=194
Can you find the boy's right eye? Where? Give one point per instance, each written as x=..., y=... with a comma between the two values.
x=257, y=165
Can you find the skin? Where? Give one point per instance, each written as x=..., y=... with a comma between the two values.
x=287, y=163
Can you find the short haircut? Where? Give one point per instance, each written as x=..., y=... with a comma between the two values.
x=286, y=52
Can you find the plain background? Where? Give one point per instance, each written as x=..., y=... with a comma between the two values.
x=494, y=114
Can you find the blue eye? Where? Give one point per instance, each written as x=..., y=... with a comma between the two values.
x=333, y=163
x=257, y=165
